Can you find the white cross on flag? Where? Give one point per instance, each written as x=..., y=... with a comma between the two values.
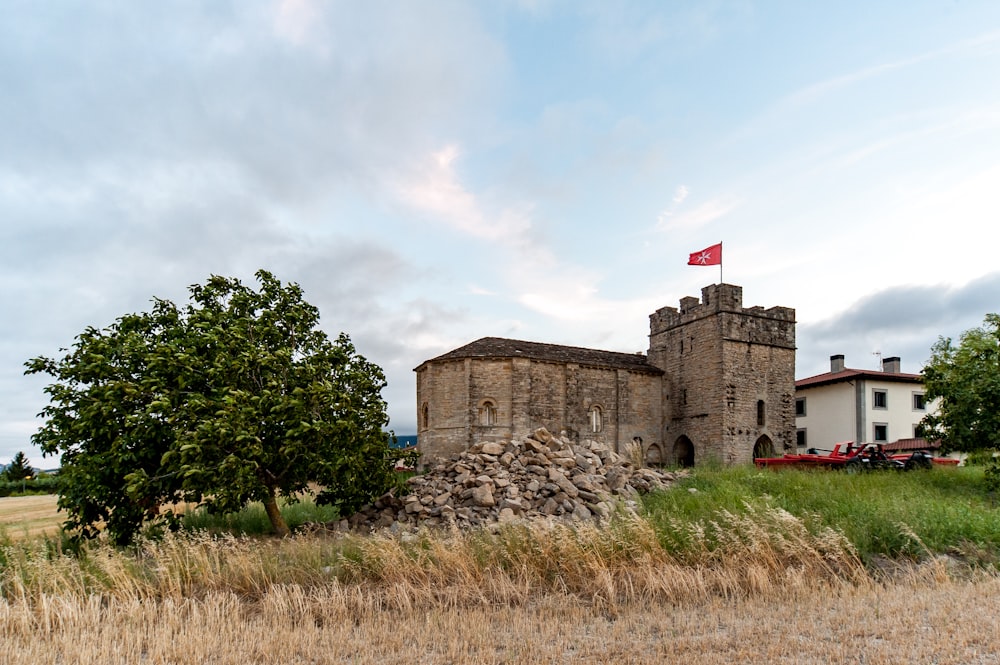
x=710, y=256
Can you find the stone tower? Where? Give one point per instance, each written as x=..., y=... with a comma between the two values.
x=729, y=377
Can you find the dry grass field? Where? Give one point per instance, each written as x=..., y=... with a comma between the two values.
x=757, y=587
x=913, y=622
x=29, y=516
x=772, y=593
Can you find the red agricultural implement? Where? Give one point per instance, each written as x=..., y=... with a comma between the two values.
x=853, y=458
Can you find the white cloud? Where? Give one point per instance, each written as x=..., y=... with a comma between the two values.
x=700, y=216
x=663, y=219
x=477, y=290
x=434, y=189
x=816, y=91
x=295, y=19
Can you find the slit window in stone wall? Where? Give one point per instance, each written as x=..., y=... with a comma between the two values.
x=425, y=415
x=761, y=413
x=596, y=419
x=488, y=414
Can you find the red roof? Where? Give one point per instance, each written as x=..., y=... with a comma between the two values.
x=911, y=444
x=852, y=374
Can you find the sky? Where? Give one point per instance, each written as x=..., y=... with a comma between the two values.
x=435, y=172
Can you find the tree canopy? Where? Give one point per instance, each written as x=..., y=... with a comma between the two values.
x=18, y=469
x=236, y=397
x=966, y=380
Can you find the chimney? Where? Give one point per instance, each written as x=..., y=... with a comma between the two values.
x=891, y=365
x=837, y=363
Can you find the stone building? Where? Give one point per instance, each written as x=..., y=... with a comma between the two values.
x=718, y=381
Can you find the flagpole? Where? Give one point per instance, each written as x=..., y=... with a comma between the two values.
x=720, y=263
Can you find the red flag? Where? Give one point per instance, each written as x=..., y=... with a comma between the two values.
x=710, y=256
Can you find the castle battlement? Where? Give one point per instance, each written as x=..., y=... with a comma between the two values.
x=718, y=299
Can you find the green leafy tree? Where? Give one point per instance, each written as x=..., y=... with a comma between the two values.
x=18, y=469
x=966, y=380
x=236, y=397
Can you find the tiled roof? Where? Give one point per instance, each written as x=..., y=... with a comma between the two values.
x=852, y=374
x=499, y=347
x=911, y=444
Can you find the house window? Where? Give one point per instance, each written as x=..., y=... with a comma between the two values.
x=488, y=414
x=596, y=419
x=800, y=407
x=761, y=413
x=880, y=399
x=919, y=402
x=800, y=438
x=881, y=432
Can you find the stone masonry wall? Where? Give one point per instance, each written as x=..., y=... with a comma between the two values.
x=442, y=408
x=720, y=360
x=758, y=373
x=528, y=395
x=691, y=358
x=490, y=380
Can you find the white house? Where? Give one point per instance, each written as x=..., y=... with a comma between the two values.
x=865, y=406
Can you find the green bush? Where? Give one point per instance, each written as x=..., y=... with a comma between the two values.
x=42, y=484
x=992, y=474
x=981, y=457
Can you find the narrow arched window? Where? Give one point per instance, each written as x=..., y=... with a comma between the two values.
x=425, y=414
x=761, y=413
x=596, y=419
x=488, y=414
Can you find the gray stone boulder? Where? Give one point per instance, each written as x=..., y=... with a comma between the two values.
x=541, y=476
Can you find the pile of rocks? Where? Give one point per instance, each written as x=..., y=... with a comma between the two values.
x=542, y=475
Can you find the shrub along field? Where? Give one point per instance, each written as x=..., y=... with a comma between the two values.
x=751, y=566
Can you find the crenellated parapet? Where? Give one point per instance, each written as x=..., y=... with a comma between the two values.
x=774, y=326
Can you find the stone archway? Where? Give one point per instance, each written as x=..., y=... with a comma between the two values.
x=764, y=447
x=654, y=456
x=683, y=452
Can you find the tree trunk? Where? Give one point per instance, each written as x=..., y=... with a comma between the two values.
x=277, y=521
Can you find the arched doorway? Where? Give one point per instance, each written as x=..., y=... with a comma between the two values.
x=683, y=452
x=764, y=447
x=654, y=456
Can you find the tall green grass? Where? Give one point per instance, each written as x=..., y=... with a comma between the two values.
x=944, y=510
x=252, y=520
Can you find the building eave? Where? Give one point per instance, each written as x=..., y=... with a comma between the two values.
x=851, y=375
